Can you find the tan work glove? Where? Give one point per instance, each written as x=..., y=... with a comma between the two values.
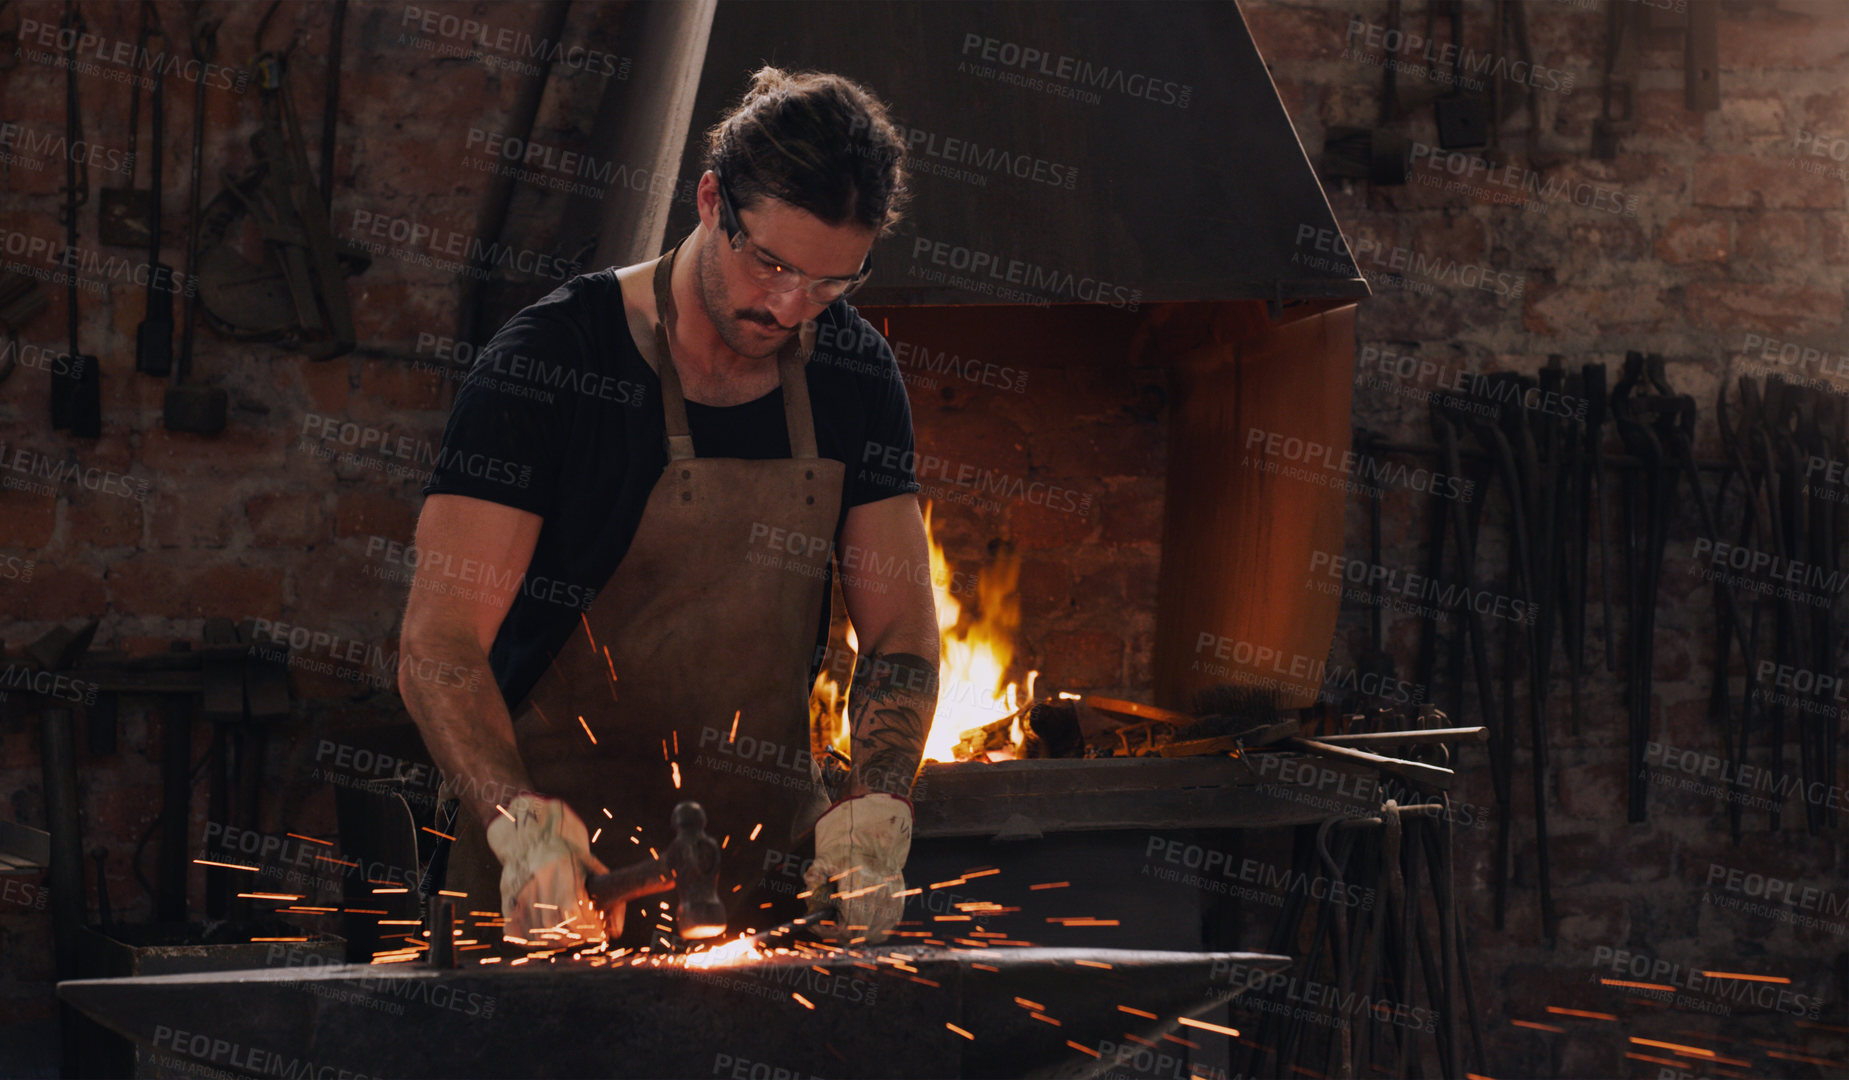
x=545, y=854
x=861, y=844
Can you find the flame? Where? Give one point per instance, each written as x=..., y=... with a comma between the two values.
x=742, y=951
x=976, y=651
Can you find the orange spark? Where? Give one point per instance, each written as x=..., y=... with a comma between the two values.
x=959, y=1031
x=805, y=1002
x=257, y=939
x=1538, y=1027
x=226, y=865
x=1083, y=1049
x=1747, y=978
x=587, y=731
x=984, y=967
x=270, y=896
x=1680, y=1048
x=675, y=767
x=755, y=830
x=1137, y=1012
x=1189, y=1021
x=1026, y=1004
x=1092, y=963
x=612, y=663
x=1557, y=1010
x=733, y=737
x=587, y=632
x=310, y=839
x=454, y=893
x=1049, y=885
x=1636, y=985
x=596, y=834
x=504, y=813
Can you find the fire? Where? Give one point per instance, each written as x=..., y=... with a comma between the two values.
x=977, y=649
x=742, y=951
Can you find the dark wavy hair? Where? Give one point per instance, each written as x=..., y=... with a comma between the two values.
x=820, y=142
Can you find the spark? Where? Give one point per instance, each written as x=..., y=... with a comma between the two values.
x=504, y=813
x=952, y=881
x=1780, y=979
x=805, y=1002
x=984, y=967
x=596, y=834
x=1781, y=1055
x=733, y=737
x=226, y=865
x=1189, y=1043
x=1557, y=1010
x=1655, y=1060
x=1083, y=1049
x=257, y=939
x=754, y=831
x=1636, y=985
x=337, y=862
x=1680, y=1048
x=1032, y=1005
x=1045, y=1017
x=401, y=922
x=959, y=1031
x=310, y=839
x=489, y=960
x=1049, y=885
x=309, y=910
x=270, y=896
x=1137, y=1012
x=1081, y=920
x=1093, y=963
x=1541, y=1027
x=967, y=874
x=612, y=817
x=928, y=982
x=454, y=893
x=612, y=663
x=392, y=889
x=1189, y=1021
x=677, y=740
x=675, y=767
x=587, y=731
x=587, y=632
x=363, y=911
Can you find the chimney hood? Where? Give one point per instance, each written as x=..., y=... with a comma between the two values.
x=1120, y=151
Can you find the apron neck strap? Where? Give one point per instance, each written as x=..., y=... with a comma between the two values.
x=798, y=419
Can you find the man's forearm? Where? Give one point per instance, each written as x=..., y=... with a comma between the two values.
x=889, y=715
x=466, y=727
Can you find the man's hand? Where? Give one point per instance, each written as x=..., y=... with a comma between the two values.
x=545, y=855
x=861, y=846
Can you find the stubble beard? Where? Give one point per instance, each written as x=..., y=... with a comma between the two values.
x=732, y=330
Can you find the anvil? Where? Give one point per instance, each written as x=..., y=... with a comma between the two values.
x=1040, y=1012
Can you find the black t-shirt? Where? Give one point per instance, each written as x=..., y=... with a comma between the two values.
x=561, y=416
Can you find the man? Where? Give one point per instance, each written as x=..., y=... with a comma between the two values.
x=664, y=452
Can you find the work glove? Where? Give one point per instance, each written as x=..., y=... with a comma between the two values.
x=861, y=845
x=545, y=854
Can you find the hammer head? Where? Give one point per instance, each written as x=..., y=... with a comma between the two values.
x=693, y=859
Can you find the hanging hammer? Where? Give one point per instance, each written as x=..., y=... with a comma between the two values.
x=690, y=866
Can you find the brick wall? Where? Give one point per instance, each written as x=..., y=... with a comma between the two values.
x=1708, y=230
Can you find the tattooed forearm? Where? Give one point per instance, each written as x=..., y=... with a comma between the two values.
x=889, y=714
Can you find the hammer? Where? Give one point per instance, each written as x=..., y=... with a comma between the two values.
x=690, y=866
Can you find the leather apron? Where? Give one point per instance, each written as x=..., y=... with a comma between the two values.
x=693, y=661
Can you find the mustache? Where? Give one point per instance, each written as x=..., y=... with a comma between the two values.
x=762, y=318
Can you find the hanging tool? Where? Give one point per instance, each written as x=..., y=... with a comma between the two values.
x=76, y=391
x=190, y=406
x=1463, y=119
x=154, y=336
x=125, y=215
x=1646, y=512
x=298, y=297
